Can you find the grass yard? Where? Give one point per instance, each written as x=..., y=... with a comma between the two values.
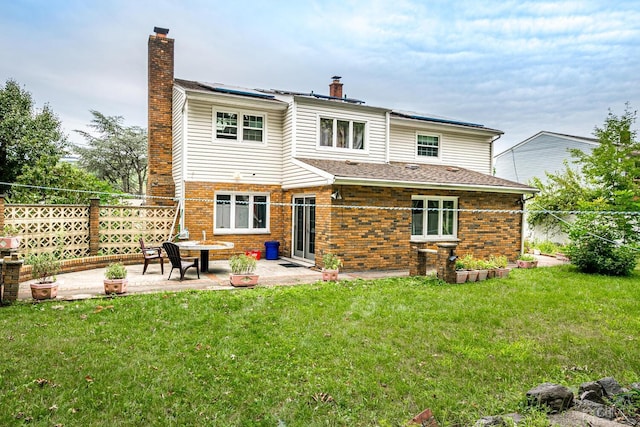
x=363, y=353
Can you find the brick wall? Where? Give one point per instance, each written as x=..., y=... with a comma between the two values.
x=160, y=92
x=366, y=239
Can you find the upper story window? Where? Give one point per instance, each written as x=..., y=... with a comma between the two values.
x=428, y=145
x=338, y=133
x=239, y=126
x=241, y=213
x=434, y=217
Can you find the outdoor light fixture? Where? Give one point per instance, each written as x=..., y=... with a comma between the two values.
x=336, y=195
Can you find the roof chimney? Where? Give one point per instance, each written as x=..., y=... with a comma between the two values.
x=335, y=88
x=160, y=132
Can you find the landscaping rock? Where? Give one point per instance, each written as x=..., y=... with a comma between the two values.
x=591, y=386
x=599, y=410
x=610, y=386
x=592, y=396
x=500, y=420
x=635, y=386
x=556, y=397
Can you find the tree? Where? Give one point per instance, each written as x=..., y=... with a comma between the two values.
x=26, y=135
x=118, y=154
x=50, y=181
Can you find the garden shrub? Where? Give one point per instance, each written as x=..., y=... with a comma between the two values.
x=596, y=247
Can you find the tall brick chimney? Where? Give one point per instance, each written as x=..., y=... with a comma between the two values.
x=160, y=130
x=335, y=88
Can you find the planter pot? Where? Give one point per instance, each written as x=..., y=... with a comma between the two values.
x=115, y=286
x=473, y=275
x=491, y=273
x=329, y=275
x=482, y=275
x=40, y=291
x=526, y=264
x=9, y=242
x=243, y=279
x=502, y=273
x=461, y=276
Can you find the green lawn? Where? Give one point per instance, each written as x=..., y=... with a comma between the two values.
x=361, y=353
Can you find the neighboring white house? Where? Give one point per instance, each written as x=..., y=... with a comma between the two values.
x=533, y=157
x=543, y=152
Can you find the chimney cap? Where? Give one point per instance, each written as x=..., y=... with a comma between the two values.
x=336, y=78
x=161, y=31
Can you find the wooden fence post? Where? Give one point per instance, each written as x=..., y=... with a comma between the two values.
x=94, y=226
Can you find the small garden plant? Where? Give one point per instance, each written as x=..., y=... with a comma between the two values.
x=331, y=261
x=115, y=270
x=44, y=267
x=242, y=264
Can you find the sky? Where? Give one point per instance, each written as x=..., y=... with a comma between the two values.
x=518, y=66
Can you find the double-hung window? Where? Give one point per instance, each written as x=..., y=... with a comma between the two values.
x=434, y=217
x=241, y=213
x=337, y=133
x=239, y=126
x=428, y=145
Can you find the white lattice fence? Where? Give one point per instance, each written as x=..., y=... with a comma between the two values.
x=122, y=226
x=47, y=228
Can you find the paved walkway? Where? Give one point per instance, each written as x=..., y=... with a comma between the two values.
x=281, y=272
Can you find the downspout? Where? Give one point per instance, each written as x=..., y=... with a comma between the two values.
x=183, y=163
x=491, y=166
x=387, y=154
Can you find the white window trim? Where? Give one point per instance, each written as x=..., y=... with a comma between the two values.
x=437, y=135
x=439, y=237
x=350, y=148
x=240, y=114
x=232, y=229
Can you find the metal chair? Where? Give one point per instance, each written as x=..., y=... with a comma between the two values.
x=151, y=253
x=181, y=263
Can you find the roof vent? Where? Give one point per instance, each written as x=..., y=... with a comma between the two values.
x=350, y=162
x=453, y=169
x=412, y=166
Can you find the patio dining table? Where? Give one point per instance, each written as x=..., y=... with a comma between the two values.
x=204, y=248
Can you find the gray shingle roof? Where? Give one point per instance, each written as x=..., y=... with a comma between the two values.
x=418, y=174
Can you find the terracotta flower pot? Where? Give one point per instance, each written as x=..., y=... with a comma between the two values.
x=461, y=276
x=115, y=286
x=329, y=275
x=482, y=275
x=473, y=275
x=243, y=279
x=526, y=264
x=40, y=291
x=9, y=242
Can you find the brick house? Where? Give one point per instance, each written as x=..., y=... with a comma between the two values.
x=322, y=173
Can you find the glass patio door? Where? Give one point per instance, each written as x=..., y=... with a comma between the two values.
x=304, y=227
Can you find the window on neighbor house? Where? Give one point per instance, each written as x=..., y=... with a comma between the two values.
x=241, y=213
x=247, y=127
x=434, y=217
x=342, y=134
x=428, y=145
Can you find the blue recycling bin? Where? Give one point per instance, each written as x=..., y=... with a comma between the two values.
x=271, y=250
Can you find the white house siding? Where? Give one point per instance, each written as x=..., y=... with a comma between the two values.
x=306, y=137
x=466, y=150
x=542, y=153
x=178, y=102
x=212, y=160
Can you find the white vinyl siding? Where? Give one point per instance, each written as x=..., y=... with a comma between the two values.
x=462, y=149
x=222, y=160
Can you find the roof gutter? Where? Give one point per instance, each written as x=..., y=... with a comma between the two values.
x=433, y=185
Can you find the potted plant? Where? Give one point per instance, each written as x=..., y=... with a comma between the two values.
x=242, y=270
x=44, y=268
x=483, y=269
x=527, y=261
x=461, y=273
x=492, y=267
x=501, y=266
x=9, y=238
x=332, y=265
x=470, y=265
x=115, y=279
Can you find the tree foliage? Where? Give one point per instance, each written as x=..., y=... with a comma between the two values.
x=26, y=134
x=49, y=181
x=118, y=154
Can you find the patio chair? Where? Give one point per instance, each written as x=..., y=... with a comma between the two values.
x=151, y=253
x=181, y=263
